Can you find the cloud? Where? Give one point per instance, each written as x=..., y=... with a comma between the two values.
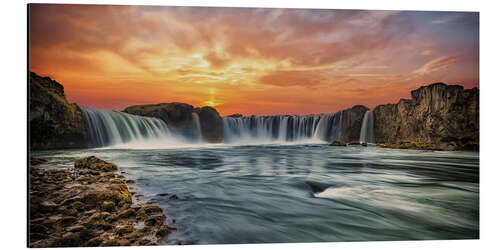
x=438, y=64
x=450, y=17
x=176, y=53
x=427, y=52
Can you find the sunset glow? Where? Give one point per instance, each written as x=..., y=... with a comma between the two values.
x=249, y=60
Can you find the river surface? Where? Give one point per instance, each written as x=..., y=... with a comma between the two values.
x=301, y=193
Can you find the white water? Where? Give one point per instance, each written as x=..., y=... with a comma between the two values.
x=367, y=134
x=121, y=130
x=283, y=129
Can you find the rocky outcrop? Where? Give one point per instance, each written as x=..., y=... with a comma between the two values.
x=175, y=114
x=338, y=144
x=211, y=124
x=235, y=115
x=88, y=207
x=438, y=116
x=94, y=163
x=179, y=117
x=352, y=120
x=54, y=123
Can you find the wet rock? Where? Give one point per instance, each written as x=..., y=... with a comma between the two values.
x=76, y=228
x=48, y=206
x=94, y=163
x=124, y=229
x=67, y=221
x=128, y=213
x=90, y=210
x=437, y=117
x=69, y=239
x=116, y=242
x=163, y=231
x=108, y=206
x=37, y=161
x=338, y=143
x=180, y=118
x=53, y=121
x=155, y=220
x=211, y=124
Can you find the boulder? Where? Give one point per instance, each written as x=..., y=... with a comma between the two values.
x=53, y=121
x=94, y=163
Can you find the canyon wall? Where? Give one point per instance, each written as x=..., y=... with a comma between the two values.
x=437, y=116
x=53, y=122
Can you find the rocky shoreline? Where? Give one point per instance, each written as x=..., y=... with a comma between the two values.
x=89, y=205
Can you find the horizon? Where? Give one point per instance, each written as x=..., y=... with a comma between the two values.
x=283, y=114
x=250, y=61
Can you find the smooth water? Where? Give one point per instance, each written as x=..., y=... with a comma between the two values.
x=302, y=193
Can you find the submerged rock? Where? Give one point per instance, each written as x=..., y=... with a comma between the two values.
x=37, y=161
x=338, y=143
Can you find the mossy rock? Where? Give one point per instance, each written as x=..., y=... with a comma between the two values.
x=94, y=163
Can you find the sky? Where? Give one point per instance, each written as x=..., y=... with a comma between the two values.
x=259, y=61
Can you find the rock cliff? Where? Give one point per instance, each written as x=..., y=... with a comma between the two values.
x=54, y=123
x=437, y=116
x=212, y=127
x=352, y=120
x=179, y=117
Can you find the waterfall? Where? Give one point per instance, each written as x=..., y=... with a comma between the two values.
x=112, y=128
x=197, y=127
x=283, y=128
x=118, y=129
x=367, y=134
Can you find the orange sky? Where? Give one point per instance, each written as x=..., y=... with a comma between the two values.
x=248, y=60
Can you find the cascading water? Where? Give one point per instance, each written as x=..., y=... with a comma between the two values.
x=112, y=128
x=367, y=134
x=197, y=127
x=283, y=128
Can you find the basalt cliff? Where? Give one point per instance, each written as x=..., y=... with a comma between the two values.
x=182, y=117
x=438, y=116
x=53, y=121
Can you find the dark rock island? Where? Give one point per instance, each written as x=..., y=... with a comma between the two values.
x=179, y=117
